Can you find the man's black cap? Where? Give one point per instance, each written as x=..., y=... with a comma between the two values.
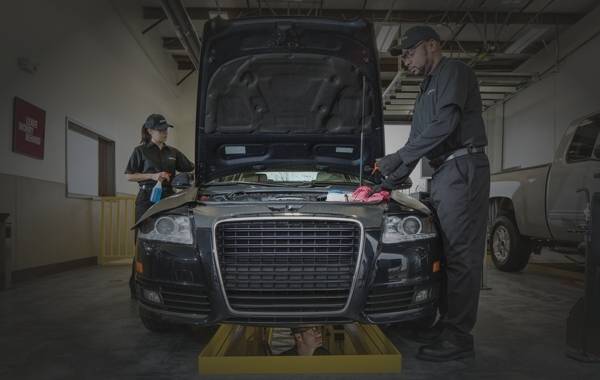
x=412, y=37
x=156, y=121
x=301, y=329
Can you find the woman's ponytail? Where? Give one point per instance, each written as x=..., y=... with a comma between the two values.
x=146, y=138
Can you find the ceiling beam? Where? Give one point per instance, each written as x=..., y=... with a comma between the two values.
x=404, y=95
x=399, y=107
x=416, y=16
x=401, y=101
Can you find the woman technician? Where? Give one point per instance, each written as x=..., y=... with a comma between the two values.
x=154, y=161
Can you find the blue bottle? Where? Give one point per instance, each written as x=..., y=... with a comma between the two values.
x=156, y=192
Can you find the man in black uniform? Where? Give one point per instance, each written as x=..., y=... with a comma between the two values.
x=448, y=129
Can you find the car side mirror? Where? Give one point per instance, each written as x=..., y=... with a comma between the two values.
x=182, y=181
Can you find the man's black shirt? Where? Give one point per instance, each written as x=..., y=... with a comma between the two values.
x=447, y=113
x=149, y=158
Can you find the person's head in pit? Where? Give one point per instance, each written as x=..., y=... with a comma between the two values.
x=307, y=339
x=419, y=49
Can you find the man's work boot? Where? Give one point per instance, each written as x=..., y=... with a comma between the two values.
x=445, y=350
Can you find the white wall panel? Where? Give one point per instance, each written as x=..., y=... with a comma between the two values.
x=396, y=137
x=529, y=126
x=536, y=118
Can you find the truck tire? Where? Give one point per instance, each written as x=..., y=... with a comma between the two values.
x=510, y=251
x=154, y=324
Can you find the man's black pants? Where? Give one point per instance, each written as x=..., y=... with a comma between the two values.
x=460, y=194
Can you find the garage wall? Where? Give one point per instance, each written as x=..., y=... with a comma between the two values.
x=536, y=118
x=186, y=116
x=92, y=69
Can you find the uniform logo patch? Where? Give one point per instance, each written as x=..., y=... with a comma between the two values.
x=431, y=91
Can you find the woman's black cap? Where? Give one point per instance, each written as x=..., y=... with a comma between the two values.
x=156, y=121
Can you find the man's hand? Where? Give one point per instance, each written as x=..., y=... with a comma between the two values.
x=385, y=185
x=388, y=164
x=400, y=175
x=394, y=180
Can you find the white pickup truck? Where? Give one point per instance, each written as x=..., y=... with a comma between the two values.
x=546, y=205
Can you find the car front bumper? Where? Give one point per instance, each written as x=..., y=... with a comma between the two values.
x=390, y=283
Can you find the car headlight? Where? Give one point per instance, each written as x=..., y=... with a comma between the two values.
x=397, y=229
x=170, y=228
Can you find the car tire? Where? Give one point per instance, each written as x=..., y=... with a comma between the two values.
x=155, y=324
x=510, y=251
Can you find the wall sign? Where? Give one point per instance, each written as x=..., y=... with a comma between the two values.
x=29, y=124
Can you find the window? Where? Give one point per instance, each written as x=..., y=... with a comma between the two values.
x=582, y=145
x=90, y=163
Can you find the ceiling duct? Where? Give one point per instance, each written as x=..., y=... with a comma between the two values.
x=529, y=37
x=182, y=23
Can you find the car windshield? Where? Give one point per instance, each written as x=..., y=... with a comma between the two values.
x=288, y=177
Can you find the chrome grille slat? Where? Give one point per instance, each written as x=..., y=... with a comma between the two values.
x=329, y=290
x=280, y=246
x=278, y=281
x=268, y=298
x=306, y=264
x=247, y=306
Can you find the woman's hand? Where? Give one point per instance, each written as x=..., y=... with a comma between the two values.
x=161, y=176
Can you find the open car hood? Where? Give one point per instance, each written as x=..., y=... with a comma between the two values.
x=285, y=91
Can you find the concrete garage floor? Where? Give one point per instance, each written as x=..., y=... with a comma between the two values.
x=82, y=325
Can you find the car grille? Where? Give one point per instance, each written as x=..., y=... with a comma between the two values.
x=192, y=299
x=273, y=266
x=385, y=299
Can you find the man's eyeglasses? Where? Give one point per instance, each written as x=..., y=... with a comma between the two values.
x=313, y=329
x=409, y=53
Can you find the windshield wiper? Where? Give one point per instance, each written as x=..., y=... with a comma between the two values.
x=245, y=183
x=323, y=183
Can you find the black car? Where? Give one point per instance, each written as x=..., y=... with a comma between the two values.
x=289, y=124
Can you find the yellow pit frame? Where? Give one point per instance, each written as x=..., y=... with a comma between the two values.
x=354, y=348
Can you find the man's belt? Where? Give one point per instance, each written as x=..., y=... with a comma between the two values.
x=455, y=154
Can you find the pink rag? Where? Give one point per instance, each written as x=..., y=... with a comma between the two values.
x=365, y=194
